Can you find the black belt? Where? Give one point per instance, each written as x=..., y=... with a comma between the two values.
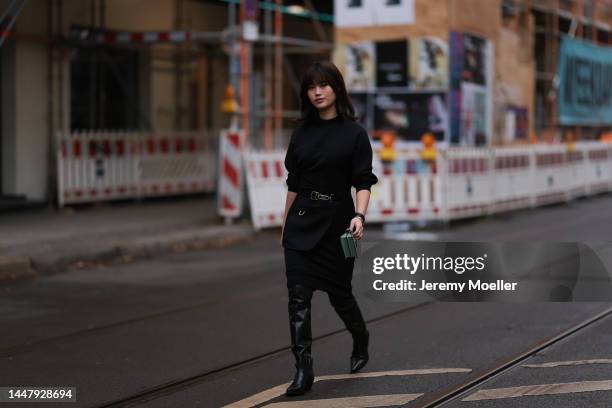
x=317, y=195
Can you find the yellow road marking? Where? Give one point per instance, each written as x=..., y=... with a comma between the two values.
x=569, y=363
x=540, y=389
x=366, y=401
x=279, y=390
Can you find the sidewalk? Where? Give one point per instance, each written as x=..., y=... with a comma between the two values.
x=49, y=241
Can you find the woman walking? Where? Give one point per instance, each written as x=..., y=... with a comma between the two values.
x=328, y=154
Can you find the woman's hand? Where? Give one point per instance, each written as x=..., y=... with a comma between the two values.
x=357, y=228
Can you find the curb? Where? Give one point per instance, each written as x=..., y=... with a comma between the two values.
x=12, y=268
x=183, y=241
x=17, y=269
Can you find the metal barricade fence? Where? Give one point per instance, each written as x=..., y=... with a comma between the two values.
x=266, y=184
x=468, y=181
x=551, y=178
x=461, y=182
x=513, y=178
x=407, y=189
x=175, y=163
x=99, y=166
x=597, y=170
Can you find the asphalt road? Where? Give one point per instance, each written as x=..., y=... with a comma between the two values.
x=209, y=328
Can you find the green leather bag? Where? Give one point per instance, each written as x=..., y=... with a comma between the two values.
x=349, y=244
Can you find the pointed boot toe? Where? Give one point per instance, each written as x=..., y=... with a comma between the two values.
x=357, y=363
x=304, y=377
x=296, y=389
x=360, y=356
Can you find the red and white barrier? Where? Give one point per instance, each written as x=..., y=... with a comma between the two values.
x=598, y=169
x=411, y=190
x=267, y=189
x=513, y=175
x=174, y=164
x=99, y=166
x=408, y=189
x=468, y=185
x=136, y=37
x=462, y=182
x=96, y=166
x=551, y=181
x=229, y=197
x=576, y=173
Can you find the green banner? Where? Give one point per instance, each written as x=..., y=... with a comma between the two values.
x=585, y=83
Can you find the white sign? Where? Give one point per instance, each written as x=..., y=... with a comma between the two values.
x=355, y=13
x=250, y=30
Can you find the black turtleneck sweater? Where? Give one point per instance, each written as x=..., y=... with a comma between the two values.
x=330, y=156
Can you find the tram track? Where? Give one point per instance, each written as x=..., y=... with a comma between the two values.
x=11, y=351
x=479, y=378
x=162, y=390
x=443, y=398
x=440, y=399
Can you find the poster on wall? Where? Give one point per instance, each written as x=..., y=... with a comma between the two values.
x=363, y=109
x=474, y=60
x=428, y=63
x=355, y=13
x=391, y=64
x=411, y=115
x=473, y=115
x=470, y=90
x=456, y=59
x=399, y=85
x=521, y=127
x=456, y=68
x=455, y=115
x=359, y=66
x=516, y=125
x=425, y=59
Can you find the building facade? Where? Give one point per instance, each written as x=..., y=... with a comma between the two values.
x=74, y=65
x=164, y=65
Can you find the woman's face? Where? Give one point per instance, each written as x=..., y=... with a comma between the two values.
x=321, y=95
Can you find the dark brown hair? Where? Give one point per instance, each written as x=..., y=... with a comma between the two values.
x=319, y=72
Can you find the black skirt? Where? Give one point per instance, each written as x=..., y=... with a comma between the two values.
x=323, y=267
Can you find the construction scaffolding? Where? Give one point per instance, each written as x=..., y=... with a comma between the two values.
x=113, y=66
x=260, y=67
x=587, y=19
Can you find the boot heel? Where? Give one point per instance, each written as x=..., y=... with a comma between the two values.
x=360, y=356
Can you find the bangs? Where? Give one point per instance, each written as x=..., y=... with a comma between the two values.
x=317, y=76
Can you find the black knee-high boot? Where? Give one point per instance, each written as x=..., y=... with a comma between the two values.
x=301, y=339
x=348, y=310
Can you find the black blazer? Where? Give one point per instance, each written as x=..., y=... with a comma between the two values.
x=329, y=156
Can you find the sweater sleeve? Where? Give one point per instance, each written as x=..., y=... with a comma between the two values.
x=362, y=177
x=291, y=164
